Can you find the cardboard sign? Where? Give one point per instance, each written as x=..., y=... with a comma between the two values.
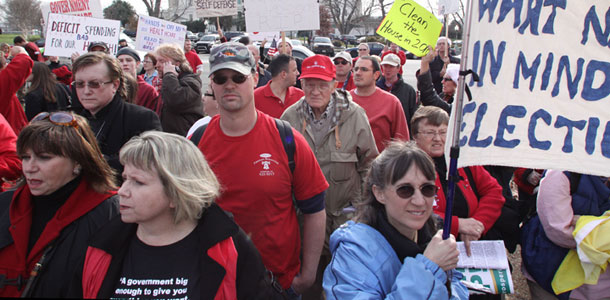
x=543, y=96
x=68, y=34
x=260, y=36
x=215, y=8
x=83, y=8
x=410, y=26
x=153, y=32
x=282, y=15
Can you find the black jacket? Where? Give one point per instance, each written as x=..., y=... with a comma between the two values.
x=435, y=69
x=182, y=106
x=116, y=123
x=214, y=226
x=35, y=102
x=427, y=94
x=405, y=93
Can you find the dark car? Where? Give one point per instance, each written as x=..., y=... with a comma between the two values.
x=231, y=34
x=349, y=39
x=322, y=45
x=374, y=47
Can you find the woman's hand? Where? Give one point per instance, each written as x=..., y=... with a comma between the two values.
x=470, y=230
x=444, y=253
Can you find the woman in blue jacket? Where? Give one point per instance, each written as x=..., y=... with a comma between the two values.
x=392, y=249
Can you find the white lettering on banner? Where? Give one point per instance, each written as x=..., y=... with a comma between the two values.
x=84, y=8
x=67, y=34
x=282, y=15
x=542, y=99
x=153, y=32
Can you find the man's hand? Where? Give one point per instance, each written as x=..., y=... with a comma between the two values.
x=301, y=283
x=168, y=67
x=444, y=253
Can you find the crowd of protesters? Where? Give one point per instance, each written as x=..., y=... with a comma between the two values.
x=299, y=180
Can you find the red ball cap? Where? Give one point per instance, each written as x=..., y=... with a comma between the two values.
x=318, y=66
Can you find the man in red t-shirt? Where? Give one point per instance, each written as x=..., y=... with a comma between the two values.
x=31, y=48
x=192, y=57
x=343, y=65
x=383, y=109
x=279, y=93
x=244, y=149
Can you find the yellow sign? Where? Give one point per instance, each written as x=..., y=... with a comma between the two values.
x=411, y=27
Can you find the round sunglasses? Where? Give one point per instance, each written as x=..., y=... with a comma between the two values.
x=406, y=191
x=62, y=118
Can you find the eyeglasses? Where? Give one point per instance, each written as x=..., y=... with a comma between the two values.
x=363, y=49
x=431, y=133
x=447, y=79
x=147, y=61
x=406, y=191
x=363, y=69
x=341, y=61
x=58, y=118
x=237, y=78
x=90, y=84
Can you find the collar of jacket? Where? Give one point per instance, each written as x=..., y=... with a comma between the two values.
x=342, y=100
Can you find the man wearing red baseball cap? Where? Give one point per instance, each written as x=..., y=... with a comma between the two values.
x=338, y=131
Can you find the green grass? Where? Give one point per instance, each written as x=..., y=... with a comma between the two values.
x=8, y=38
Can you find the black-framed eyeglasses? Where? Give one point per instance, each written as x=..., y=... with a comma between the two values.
x=341, y=61
x=90, y=84
x=62, y=118
x=237, y=78
x=406, y=191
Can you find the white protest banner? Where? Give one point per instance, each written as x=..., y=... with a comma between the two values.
x=542, y=99
x=215, y=8
x=282, y=15
x=260, y=36
x=83, y=8
x=68, y=34
x=153, y=32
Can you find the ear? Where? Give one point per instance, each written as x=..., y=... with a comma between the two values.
x=255, y=78
x=377, y=74
x=379, y=195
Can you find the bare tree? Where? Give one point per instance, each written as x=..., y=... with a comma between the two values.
x=23, y=14
x=385, y=5
x=153, y=7
x=177, y=9
x=347, y=14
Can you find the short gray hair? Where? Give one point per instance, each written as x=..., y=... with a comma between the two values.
x=186, y=176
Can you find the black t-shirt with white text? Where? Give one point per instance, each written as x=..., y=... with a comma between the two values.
x=161, y=272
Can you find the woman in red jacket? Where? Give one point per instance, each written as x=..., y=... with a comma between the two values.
x=12, y=77
x=65, y=196
x=478, y=197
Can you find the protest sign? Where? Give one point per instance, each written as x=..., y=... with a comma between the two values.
x=83, y=8
x=282, y=15
x=215, y=8
x=260, y=36
x=153, y=32
x=68, y=34
x=410, y=26
x=446, y=7
x=542, y=99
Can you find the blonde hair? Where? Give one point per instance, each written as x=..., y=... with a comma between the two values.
x=187, y=178
x=176, y=53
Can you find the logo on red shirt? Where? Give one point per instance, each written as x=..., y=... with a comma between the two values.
x=266, y=163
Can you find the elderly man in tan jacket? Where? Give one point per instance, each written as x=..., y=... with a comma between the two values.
x=338, y=131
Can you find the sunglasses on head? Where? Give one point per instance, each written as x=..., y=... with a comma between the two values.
x=341, y=61
x=406, y=191
x=237, y=78
x=58, y=118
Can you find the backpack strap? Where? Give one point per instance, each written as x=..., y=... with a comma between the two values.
x=198, y=134
x=287, y=140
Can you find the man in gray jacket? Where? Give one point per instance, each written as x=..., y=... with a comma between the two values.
x=338, y=131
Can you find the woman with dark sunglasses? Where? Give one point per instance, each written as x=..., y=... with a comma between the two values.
x=392, y=249
x=478, y=197
x=66, y=194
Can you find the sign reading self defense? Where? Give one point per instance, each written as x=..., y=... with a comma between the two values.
x=153, y=32
x=282, y=15
x=216, y=8
x=68, y=34
x=543, y=97
x=410, y=26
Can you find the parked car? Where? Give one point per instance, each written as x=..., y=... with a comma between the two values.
x=296, y=42
x=191, y=36
x=349, y=39
x=301, y=52
x=231, y=34
x=322, y=45
x=206, y=42
x=375, y=49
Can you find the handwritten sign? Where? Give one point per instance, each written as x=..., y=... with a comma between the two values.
x=216, y=8
x=67, y=34
x=83, y=8
x=410, y=26
x=153, y=32
x=543, y=96
x=282, y=15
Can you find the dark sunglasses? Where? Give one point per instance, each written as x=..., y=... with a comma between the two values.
x=208, y=95
x=58, y=118
x=237, y=78
x=406, y=191
x=343, y=62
